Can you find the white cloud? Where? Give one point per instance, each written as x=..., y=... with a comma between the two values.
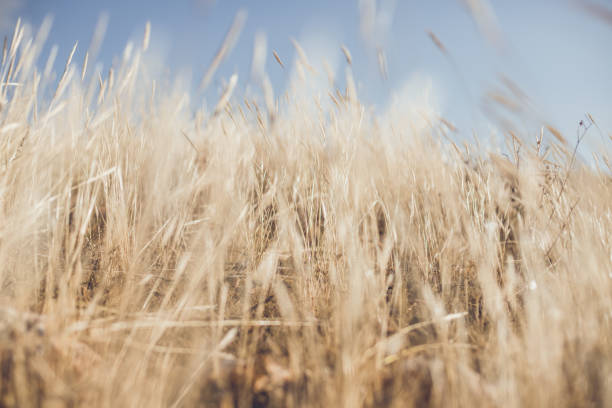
x=416, y=103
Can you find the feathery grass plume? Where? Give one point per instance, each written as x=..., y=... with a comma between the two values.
x=277, y=58
x=147, y=36
x=486, y=20
x=226, y=95
x=382, y=63
x=226, y=47
x=302, y=57
x=596, y=10
x=98, y=35
x=347, y=54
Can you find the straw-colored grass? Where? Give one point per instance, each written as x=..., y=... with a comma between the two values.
x=150, y=257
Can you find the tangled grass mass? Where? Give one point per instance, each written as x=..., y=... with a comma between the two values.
x=282, y=254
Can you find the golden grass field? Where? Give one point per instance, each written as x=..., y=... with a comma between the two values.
x=273, y=255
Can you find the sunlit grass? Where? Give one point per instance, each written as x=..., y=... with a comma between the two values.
x=286, y=255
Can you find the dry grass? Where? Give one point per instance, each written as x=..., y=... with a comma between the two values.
x=286, y=260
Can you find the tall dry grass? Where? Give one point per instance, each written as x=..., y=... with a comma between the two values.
x=152, y=257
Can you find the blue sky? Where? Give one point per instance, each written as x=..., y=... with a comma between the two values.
x=553, y=50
